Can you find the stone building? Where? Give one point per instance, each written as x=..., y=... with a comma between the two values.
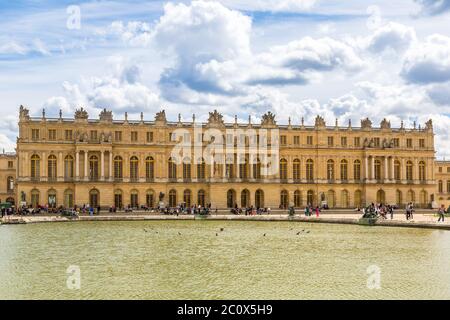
x=105, y=162
x=443, y=183
x=7, y=177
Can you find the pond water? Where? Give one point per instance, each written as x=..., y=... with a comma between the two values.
x=247, y=260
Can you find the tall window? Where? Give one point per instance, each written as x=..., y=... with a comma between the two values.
x=52, y=134
x=310, y=197
x=172, y=166
x=94, y=198
x=134, y=168
x=35, y=166
x=357, y=170
x=284, y=199
x=397, y=170
x=35, y=198
x=10, y=184
x=118, y=199
x=172, y=198
x=118, y=167
x=68, y=199
x=330, y=169
x=149, y=168
x=422, y=167
x=68, y=135
x=93, y=168
x=134, y=136
x=35, y=134
x=201, y=198
x=150, y=136
x=344, y=170
x=187, y=198
x=134, y=199
x=440, y=186
x=296, y=169
x=68, y=167
x=150, y=199
x=297, y=199
x=243, y=169
x=186, y=168
x=310, y=170
x=52, y=167
x=257, y=169
x=201, y=169
x=377, y=165
x=259, y=198
x=231, y=198
x=283, y=169
x=245, y=198
x=409, y=170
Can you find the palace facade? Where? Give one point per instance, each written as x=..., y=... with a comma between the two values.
x=106, y=162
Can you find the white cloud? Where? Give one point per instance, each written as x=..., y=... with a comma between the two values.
x=433, y=7
x=271, y=5
x=392, y=36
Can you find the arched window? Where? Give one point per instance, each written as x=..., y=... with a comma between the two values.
x=310, y=170
x=422, y=171
x=94, y=198
x=398, y=197
x=397, y=170
x=172, y=198
x=35, y=201
x=297, y=199
x=51, y=198
x=201, y=168
x=186, y=168
x=149, y=168
x=231, y=198
x=35, y=166
x=68, y=167
x=68, y=199
x=150, y=199
x=381, y=196
x=118, y=168
x=357, y=170
x=201, y=198
x=358, y=198
x=411, y=196
x=134, y=168
x=259, y=198
x=423, y=197
x=440, y=186
x=331, y=198
x=118, y=199
x=9, y=184
x=283, y=169
x=134, y=199
x=172, y=167
x=284, y=199
x=344, y=199
x=187, y=198
x=409, y=171
x=330, y=169
x=344, y=170
x=245, y=198
x=377, y=170
x=52, y=171
x=310, y=197
x=93, y=168
x=296, y=170
x=257, y=169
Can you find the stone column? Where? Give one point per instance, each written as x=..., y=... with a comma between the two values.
x=402, y=170
x=102, y=161
x=392, y=168
x=77, y=165
x=111, y=166
x=60, y=167
x=386, y=171
x=366, y=167
x=86, y=175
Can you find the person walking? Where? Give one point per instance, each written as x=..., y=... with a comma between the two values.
x=441, y=213
x=317, y=211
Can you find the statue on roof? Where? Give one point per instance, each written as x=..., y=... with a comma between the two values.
x=81, y=114
x=268, y=119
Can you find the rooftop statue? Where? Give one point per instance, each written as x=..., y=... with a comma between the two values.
x=366, y=123
x=161, y=116
x=268, y=119
x=81, y=114
x=24, y=113
x=106, y=115
x=319, y=122
x=385, y=124
x=429, y=125
x=215, y=118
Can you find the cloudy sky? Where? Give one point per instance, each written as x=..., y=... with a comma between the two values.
x=341, y=59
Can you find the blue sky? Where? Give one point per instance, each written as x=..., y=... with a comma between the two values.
x=340, y=59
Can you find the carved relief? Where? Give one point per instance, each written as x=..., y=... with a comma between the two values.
x=106, y=116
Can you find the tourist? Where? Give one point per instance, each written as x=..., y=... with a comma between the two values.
x=391, y=211
x=317, y=211
x=441, y=213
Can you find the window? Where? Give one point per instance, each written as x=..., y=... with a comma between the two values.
x=35, y=166
x=93, y=168
x=134, y=136
x=448, y=169
x=344, y=170
x=118, y=168
x=93, y=135
x=68, y=135
x=10, y=164
x=396, y=142
x=134, y=168
x=440, y=169
x=283, y=140
x=118, y=135
x=422, y=143
x=357, y=170
x=257, y=169
x=330, y=141
x=35, y=134
x=409, y=143
x=397, y=170
x=150, y=199
x=51, y=134
x=201, y=198
x=297, y=140
x=134, y=199
x=172, y=167
x=201, y=169
x=259, y=198
x=68, y=199
x=309, y=170
x=284, y=199
x=330, y=170
x=243, y=169
x=376, y=142
x=187, y=168
x=343, y=141
x=297, y=199
x=9, y=184
x=377, y=168
x=409, y=170
x=35, y=198
x=296, y=169
x=150, y=136
x=172, y=198
x=118, y=199
x=68, y=167
x=309, y=140
x=149, y=168
x=52, y=167
x=422, y=169
x=357, y=141
x=283, y=169
x=187, y=198
x=440, y=186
